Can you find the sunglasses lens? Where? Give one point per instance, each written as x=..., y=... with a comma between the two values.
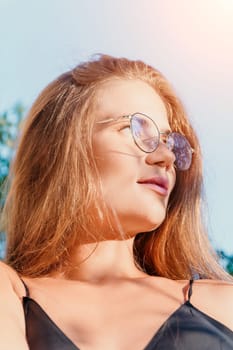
x=182, y=150
x=145, y=132
x=146, y=135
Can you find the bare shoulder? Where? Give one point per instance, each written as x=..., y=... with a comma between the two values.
x=215, y=298
x=12, y=323
x=217, y=290
x=10, y=281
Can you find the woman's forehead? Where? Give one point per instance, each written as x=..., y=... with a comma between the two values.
x=119, y=97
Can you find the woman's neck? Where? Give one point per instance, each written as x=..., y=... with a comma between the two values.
x=104, y=261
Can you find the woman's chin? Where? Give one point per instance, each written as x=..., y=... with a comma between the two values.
x=146, y=226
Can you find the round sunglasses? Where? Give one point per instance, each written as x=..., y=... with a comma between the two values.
x=147, y=137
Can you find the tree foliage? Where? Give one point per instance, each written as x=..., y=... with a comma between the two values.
x=227, y=261
x=9, y=128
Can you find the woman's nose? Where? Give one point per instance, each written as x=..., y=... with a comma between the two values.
x=162, y=156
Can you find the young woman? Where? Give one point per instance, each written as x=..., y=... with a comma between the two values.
x=104, y=224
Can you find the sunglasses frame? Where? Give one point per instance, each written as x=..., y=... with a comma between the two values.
x=131, y=116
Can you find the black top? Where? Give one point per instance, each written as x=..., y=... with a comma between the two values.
x=186, y=329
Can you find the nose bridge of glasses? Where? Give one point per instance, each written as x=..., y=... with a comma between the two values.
x=166, y=143
x=166, y=139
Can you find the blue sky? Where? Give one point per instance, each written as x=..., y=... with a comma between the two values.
x=189, y=41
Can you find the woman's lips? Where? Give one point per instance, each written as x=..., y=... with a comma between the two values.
x=158, y=184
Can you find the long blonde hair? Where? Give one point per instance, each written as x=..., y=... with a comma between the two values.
x=54, y=181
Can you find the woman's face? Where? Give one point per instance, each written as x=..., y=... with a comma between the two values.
x=136, y=185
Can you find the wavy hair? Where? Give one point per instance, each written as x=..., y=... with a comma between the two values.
x=55, y=182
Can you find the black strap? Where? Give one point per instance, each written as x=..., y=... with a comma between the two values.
x=190, y=291
x=196, y=276
x=26, y=288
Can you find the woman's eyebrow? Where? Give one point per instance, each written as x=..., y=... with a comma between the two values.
x=110, y=119
x=105, y=120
